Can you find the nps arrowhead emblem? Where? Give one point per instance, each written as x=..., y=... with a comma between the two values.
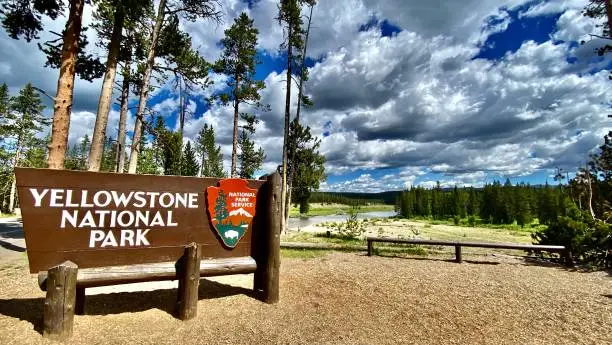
x=231, y=208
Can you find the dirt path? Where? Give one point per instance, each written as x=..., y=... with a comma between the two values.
x=344, y=298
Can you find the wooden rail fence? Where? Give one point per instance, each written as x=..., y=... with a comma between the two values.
x=458, y=245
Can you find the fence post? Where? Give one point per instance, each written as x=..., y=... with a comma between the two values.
x=458, y=257
x=271, y=241
x=188, y=272
x=568, y=257
x=370, y=249
x=58, y=314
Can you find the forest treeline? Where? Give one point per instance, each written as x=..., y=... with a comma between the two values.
x=496, y=203
x=577, y=212
x=352, y=199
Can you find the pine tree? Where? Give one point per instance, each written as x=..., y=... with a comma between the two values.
x=36, y=155
x=238, y=61
x=159, y=135
x=72, y=161
x=4, y=104
x=472, y=205
x=83, y=150
x=111, y=18
x=23, y=18
x=108, y=162
x=183, y=60
x=249, y=158
x=309, y=164
x=189, y=164
x=211, y=157
x=147, y=162
x=289, y=17
x=22, y=119
x=172, y=153
x=522, y=206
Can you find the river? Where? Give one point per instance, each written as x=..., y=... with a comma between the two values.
x=301, y=222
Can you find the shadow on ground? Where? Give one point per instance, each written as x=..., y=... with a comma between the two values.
x=476, y=262
x=11, y=229
x=11, y=246
x=31, y=309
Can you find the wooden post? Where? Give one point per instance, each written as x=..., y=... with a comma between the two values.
x=568, y=257
x=271, y=241
x=458, y=258
x=370, y=249
x=58, y=314
x=259, y=241
x=188, y=273
x=79, y=307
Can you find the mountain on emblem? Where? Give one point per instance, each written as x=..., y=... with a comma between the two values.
x=231, y=208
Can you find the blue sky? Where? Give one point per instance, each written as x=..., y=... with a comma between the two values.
x=405, y=93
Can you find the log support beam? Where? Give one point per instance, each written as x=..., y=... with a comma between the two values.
x=188, y=273
x=268, y=265
x=59, y=308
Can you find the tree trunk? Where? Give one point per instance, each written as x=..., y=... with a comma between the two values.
x=144, y=91
x=297, y=120
x=609, y=14
x=12, y=196
x=62, y=105
x=235, y=132
x=286, y=134
x=181, y=119
x=125, y=95
x=99, y=135
x=201, y=165
x=182, y=109
x=590, y=192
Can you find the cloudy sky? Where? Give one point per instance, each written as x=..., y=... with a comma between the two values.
x=405, y=92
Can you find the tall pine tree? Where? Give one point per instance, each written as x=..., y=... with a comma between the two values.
x=238, y=61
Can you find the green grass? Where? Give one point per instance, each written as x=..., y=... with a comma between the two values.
x=528, y=228
x=330, y=209
x=303, y=253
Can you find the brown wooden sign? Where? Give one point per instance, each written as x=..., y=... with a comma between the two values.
x=107, y=219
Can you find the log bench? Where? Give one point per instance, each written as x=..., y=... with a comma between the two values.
x=186, y=271
x=459, y=244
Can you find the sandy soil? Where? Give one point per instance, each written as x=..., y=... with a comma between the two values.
x=343, y=298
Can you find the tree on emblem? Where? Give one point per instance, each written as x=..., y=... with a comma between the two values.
x=221, y=207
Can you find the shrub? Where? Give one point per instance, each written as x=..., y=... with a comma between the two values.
x=352, y=228
x=472, y=221
x=587, y=239
x=456, y=220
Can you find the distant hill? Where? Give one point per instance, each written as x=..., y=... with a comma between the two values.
x=388, y=198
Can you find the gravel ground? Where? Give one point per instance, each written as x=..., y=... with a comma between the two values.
x=343, y=298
